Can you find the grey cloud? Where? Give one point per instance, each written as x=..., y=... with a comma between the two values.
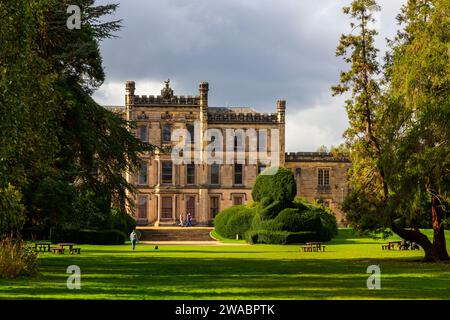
x=252, y=52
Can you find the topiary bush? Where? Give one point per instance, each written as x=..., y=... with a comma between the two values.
x=271, y=210
x=329, y=224
x=277, y=216
x=278, y=187
x=234, y=220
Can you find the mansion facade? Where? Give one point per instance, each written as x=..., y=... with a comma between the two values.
x=168, y=189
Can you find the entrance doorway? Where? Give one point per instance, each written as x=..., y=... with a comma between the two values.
x=190, y=206
x=166, y=208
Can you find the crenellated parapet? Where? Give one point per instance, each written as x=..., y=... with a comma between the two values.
x=161, y=100
x=314, y=157
x=231, y=117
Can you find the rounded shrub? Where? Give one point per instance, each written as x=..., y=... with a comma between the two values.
x=280, y=186
x=234, y=220
x=329, y=224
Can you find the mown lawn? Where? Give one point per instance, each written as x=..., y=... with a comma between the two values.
x=233, y=271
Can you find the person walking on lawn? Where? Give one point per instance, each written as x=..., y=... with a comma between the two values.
x=133, y=238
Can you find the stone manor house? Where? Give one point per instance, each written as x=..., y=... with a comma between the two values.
x=166, y=190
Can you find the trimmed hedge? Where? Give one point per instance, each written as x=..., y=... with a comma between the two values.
x=295, y=221
x=234, y=220
x=279, y=237
x=87, y=236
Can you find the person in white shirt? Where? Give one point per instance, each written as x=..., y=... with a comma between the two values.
x=133, y=238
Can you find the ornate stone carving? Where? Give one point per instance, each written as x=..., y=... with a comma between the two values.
x=167, y=92
x=142, y=116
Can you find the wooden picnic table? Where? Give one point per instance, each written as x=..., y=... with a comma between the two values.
x=70, y=245
x=42, y=246
x=61, y=249
x=391, y=244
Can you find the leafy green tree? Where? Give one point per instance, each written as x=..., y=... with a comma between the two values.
x=52, y=133
x=367, y=175
x=12, y=211
x=398, y=133
x=418, y=160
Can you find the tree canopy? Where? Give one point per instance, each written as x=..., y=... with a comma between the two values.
x=399, y=122
x=57, y=144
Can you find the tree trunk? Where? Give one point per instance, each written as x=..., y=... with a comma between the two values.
x=439, y=245
x=419, y=238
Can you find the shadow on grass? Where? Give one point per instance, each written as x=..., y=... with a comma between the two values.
x=153, y=277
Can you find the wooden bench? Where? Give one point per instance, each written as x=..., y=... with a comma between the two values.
x=58, y=250
x=306, y=248
x=75, y=250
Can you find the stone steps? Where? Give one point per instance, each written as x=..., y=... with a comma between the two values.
x=175, y=234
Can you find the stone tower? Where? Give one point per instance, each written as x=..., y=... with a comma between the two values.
x=281, y=117
x=203, y=190
x=130, y=87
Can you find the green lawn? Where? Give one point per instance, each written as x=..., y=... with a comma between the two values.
x=233, y=271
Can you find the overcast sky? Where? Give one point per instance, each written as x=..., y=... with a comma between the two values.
x=252, y=52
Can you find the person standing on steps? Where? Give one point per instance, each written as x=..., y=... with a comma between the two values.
x=181, y=220
x=189, y=217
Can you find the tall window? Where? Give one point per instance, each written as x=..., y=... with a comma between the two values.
x=238, y=174
x=166, y=133
x=143, y=134
x=238, y=142
x=324, y=177
x=190, y=129
x=142, y=207
x=143, y=174
x=214, y=206
x=166, y=172
x=190, y=174
x=262, y=140
x=214, y=174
